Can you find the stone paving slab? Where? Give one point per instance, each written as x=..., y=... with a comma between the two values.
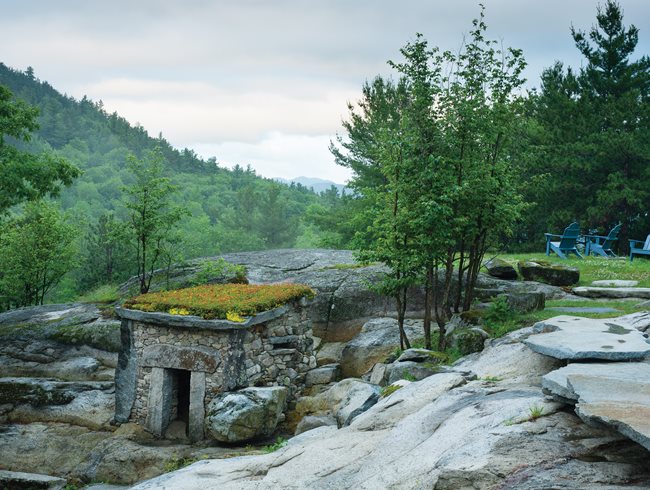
x=598, y=292
x=613, y=394
x=577, y=338
x=583, y=309
x=615, y=283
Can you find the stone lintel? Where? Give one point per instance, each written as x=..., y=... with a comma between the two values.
x=196, y=358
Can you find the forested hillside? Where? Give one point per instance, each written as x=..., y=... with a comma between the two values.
x=228, y=210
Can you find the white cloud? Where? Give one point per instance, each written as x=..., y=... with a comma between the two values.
x=279, y=155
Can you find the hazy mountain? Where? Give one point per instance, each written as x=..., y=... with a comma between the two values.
x=314, y=183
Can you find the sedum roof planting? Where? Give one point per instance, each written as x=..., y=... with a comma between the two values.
x=221, y=301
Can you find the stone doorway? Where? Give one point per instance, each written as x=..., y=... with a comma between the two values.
x=176, y=400
x=179, y=416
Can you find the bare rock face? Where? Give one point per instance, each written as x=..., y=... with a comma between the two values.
x=501, y=269
x=444, y=432
x=612, y=394
x=376, y=341
x=578, y=338
x=246, y=414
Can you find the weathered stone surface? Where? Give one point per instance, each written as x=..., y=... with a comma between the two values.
x=379, y=374
x=314, y=421
x=597, y=292
x=181, y=357
x=323, y=375
x=615, y=283
x=501, y=269
x=124, y=457
x=377, y=339
x=417, y=355
x=573, y=338
x=639, y=320
x=246, y=414
x=509, y=360
x=526, y=302
x=407, y=400
x=617, y=395
x=583, y=309
x=410, y=370
x=16, y=480
x=344, y=400
x=554, y=274
x=330, y=353
x=451, y=438
x=468, y=340
x=643, y=304
x=87, y=405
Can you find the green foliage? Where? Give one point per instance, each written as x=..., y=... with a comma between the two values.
x=219, y=271
x=151, y=214
x=586, y=145
x=279, y=443
x=37, y=249
x=409, y=377
x=231, y=210
x=535, y=412
x=230, y=301
x=431, y=163
x=106, y=293
x=176, y=463
x=24, y=175
x=389, y=390
x=498, y=311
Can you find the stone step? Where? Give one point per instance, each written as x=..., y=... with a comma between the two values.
x=577, y=338
x=599, y=292
x=613, y=394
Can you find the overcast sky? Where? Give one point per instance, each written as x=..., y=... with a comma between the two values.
x=263, y=82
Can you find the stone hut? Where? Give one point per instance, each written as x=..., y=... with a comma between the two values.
x=171, y=366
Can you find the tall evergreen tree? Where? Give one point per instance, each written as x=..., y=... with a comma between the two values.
x=591, y=135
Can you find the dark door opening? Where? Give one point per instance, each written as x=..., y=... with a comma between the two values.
x=180, y=409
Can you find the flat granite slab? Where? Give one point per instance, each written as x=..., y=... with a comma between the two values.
x=577, y=338
x=598, y=292
x=615, y=283
x=583, y=309
x=614, y=394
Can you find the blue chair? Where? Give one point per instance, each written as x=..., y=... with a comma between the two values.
x=634, y=250
x=567, y=243
x=602, y=245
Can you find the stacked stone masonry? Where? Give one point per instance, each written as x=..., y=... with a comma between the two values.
x=277, y=352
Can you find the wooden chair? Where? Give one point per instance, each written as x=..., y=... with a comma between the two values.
x=602, y=245
x=634, y=250
x=567, y=243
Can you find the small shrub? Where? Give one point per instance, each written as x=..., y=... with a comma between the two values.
x=499, y=311
x=388, y=390
x=409, y=377
x=280, y=442
x=220, y=271
x=106, y=293
x=535, y=412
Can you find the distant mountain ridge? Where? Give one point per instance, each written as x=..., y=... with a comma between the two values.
x=314, y=183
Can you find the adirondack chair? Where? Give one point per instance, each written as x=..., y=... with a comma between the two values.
x=634, y=250
x=567, y=243
x=602, y=245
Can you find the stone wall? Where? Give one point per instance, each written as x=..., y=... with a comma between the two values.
x=271, y=349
